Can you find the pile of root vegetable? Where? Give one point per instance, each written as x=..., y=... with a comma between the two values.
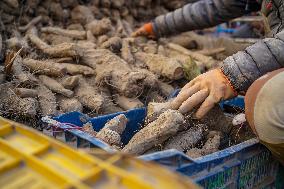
x=78, y=55
x=165, y=129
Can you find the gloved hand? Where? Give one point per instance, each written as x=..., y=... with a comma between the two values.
x=146, y=30
x=208, y=89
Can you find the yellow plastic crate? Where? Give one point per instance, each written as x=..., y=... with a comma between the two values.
x=28, y=159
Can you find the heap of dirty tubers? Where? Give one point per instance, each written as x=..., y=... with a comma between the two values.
x=78, y=55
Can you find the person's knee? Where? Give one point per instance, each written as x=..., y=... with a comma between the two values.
x=264, y=106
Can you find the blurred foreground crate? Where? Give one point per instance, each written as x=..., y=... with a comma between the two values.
x=30, y=160
x=246, y=165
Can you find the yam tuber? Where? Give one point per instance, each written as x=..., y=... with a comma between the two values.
x=69, y=104
x=26, y=107
x=60, y=50
x=12, y=3
x=117, y=73
x=185, y=140
x=88, y=128
x=155, y=109
x=126, y=53
x=208, y=61
x=155, y=133
x=75, y=69
x=99, y=27
x=70, y=82
x=74, y=34
x=16, y=43
x=211, y=146
x=26, y=93
x=47, y=101
x=45, y=67
x=48, y=67
x=128, y=103
x=117, y=124
x=88, y=96
x=82, y=14
x=113, y=44
x=161, y=65
x=31, y=24
x=54, y=86
x=24, y=77
x=111, y=132
x=165, y=88
x=190, y=68
x=21, y=107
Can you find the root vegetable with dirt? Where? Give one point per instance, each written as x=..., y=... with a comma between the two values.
x=88, y=96
x=54, y=86
x=161, y=65
x=111, y=132
x=47, y=101
x=211, y=146
x=155, y=133
x=186, y=140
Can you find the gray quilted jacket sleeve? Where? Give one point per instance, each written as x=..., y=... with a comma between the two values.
x=244, y=67
x=202, y=14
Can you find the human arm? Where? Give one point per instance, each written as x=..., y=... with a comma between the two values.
x=236, y=74
x=199, y=15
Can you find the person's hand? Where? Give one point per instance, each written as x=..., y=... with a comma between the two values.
x=146, y=30
x=207, y=89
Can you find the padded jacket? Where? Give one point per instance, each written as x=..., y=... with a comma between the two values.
x=244, y=67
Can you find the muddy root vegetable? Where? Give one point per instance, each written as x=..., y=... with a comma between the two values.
x=47, y=101
x=161, y=65
x=31, y=24
x=208, y=61
x=45, y=67
x=155, y=109
x=69, y=104
x=89, y=96
x=117, y=124
x=24, y=77
x=25, y=107
x=16, y=43
x=128, y=103
x=155, y=133
x=154, y=96
x=60, y=50
x=12, y=3
x=109, y=106
x=70, y=82
x=111, y=132
x=217, y=120
x=75, y=69
x=113, y=44
x=82, y=14
x=211, y=146
x=26, y=93
x=115, y=72
x=126, y=53
x=185, y=140
x=190, y=67
x=13, y=104
x=165, y=88
x=74, y=34
x=100, y=27
x=88, y=128
x=54, y=86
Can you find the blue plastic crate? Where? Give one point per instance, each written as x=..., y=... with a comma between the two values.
x=246, y=165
